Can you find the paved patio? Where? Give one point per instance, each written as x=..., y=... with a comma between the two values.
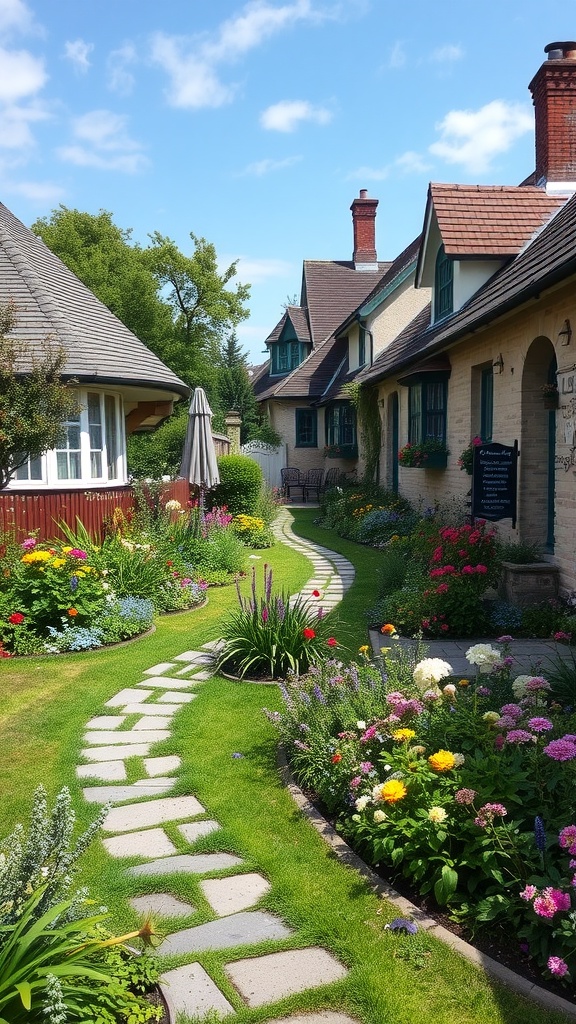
x=531, y=657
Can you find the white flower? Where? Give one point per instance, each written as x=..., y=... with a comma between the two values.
x=379, y=816
x=437, y=814
x=360, y=725
x=483, y=654
x=458, y=760
x=172, y=505
x=362, y=802
x=449, y=690
x=431, y=670
x=519, y=686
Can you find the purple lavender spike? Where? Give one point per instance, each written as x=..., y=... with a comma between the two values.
x=280, y=609
x=267, y=582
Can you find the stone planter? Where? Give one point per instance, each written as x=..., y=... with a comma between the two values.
x=525, y=585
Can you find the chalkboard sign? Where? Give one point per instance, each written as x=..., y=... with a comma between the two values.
x=494, y=481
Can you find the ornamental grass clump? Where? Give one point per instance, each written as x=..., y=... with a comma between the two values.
x=272, y=634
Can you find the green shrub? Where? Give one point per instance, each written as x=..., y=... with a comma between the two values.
x=222, y=551
x=519, y=552
x=240, y=484
x=159, y=453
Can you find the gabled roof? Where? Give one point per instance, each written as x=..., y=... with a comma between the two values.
x=395, y=274
x=52, y=302
x=485, y=221
x=297, y=317
x=331, y=290
x=549, y=259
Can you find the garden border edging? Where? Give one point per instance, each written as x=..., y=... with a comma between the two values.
x=346, y=855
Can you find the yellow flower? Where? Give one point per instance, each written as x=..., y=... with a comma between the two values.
x=442, y=761
x=35, y=556
x=437, y=814
x=403, y=735
x=66, y=550
x=390, y=792
x=463, y=682
x=364, y=649
x=57, y=562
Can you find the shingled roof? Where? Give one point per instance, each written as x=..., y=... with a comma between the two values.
x=331, y=290
x=489, y=220
x=549, y=259
x=297, y=317
x=51, y=302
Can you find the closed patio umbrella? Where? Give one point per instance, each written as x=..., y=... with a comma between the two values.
x=199, y=465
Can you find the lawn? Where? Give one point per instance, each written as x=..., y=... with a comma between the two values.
x=392, y=979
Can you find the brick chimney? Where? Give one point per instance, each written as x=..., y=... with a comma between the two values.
x=364, y=221
x=553, y=91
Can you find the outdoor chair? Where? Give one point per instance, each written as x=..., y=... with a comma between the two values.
x=332, y=478
x=313, y=483
x=291, y=478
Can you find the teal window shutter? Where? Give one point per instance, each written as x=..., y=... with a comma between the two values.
x=443, y=285
x=486, y=403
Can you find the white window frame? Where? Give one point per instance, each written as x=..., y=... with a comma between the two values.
x=50, y=477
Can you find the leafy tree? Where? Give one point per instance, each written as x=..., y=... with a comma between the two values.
x=106, y=260
x=204, y=309
x=34, y=401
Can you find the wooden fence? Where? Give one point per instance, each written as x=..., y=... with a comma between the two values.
x=25, y=511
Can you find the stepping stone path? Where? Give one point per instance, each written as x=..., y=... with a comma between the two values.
x=134, y=828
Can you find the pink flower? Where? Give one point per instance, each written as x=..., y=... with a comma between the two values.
x=28, y=544
x=544, y=907
x=481, y=569
x=465, y=796
x=560, y=635
x=442, y=589
x=519, y=736
x=77, y=553
x=557, y=966
x=488, y=812
x=540, y=724
x=514, y=710
x=355, y=782
x=369, y=734
x=265, y=614
x=366, y=767
x=561, y=750
x=567, y=836
x=528, y=893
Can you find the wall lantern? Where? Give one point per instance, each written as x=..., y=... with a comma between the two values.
x=498, y=365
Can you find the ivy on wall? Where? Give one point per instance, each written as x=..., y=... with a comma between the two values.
x=365, y=401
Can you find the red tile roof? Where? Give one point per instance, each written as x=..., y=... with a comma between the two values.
x=489, y=220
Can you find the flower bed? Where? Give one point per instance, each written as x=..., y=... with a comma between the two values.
x=462, y=787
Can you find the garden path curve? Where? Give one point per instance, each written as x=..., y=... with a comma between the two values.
x=134, y=828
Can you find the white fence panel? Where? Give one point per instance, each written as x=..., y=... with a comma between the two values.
x=271, y=460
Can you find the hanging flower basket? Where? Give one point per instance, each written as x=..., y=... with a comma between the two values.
x=466, y=460
x=341, y=451
x=550, y=396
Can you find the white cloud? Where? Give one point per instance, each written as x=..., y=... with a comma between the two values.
x=397, y=58
x=473, y=139
x=257, y=271
x=446, y=54
x=15, y=125
x=287, y=115
x=107, y=146
x=268, y=166
x=22, y=75
x=191, y=63
x=36, y=191
x=77, y=52
x=366, y=173
x=14, y=15
x=412, y=163
x=121, y=80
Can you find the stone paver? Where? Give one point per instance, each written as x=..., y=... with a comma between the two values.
x=194, y=830
x=106, y=722
x=189, y=655
x=153, y=842
x=155, y=812
x=189, y=991
x=268, y=978
x=152, y=722
x=322, y=1017
x=231, y=895
x=117, y=794
x=192, y=863
x=150, y=709
x=163, y=666
x=107, y=771
x=127, y=696
x=170, y=697
x=162, y=765
x=163, y=682
x=116, y=753
x=201, y=677
x=236, y=930
x=126, y=736
x=163, y=904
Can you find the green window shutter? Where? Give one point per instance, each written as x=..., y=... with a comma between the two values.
x=427, y=411
x=415, y=413
x=443, y=285
x=306, y=428
x=486, y=403
x=362, y=347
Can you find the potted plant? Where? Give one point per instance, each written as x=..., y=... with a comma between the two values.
x=429, y=454
x=466, y=460
x=525, y=578
x=550, y=395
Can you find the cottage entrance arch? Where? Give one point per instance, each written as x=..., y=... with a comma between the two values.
x=537, y=443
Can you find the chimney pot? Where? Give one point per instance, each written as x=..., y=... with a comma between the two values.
x=363, y=193
x=561, y=51
x=553, y=91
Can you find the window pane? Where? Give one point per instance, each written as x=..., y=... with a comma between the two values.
x=443, y=291
x=486, y=404
x=282, y=356
x=62, y=464
x=435, y=412
x=415, y=413
x=294, y=354
x=111, y=437
x=95, y=464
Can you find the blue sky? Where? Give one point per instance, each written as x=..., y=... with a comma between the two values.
x=256, y=124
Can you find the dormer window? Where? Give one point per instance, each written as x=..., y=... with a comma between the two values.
x=286, y=356
x=443, y=285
